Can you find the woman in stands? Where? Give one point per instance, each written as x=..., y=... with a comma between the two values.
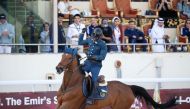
x=165, y=9
x=117, y=32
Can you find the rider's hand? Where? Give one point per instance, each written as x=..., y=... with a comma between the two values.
x=92, y=57
x=83, y=30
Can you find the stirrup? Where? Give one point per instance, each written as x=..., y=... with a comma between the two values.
x=89, y=101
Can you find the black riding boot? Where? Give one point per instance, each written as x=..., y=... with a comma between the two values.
x=90, y=99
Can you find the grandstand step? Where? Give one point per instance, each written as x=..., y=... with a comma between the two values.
x=18, y=10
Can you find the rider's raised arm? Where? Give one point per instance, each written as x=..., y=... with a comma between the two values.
x=82, y=41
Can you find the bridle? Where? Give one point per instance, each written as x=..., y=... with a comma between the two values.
x=68, y=64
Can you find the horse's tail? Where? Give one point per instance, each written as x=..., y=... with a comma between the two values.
x=141, y=92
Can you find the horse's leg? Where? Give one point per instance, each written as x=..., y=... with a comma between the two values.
x=59, y=99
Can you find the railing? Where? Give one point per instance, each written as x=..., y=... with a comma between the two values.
x=128, y=80
x=126, y=45
x=34, y=83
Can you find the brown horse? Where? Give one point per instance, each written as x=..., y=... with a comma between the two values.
x=120, y=96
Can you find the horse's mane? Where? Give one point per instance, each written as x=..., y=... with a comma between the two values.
x=80, y=65
x=78, y=58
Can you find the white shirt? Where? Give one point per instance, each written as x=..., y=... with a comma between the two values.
x=75, y=29
x=117, y=34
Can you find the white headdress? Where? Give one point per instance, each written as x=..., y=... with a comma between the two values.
x=113, y=20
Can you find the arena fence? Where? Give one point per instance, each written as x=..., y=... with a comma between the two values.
x=136, y=80
x=128, y=80
x=166, y=45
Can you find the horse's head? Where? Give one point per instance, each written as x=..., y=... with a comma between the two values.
x=67, y=58
x=63, y=65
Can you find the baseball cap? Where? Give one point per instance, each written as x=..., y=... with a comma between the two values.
x=160, y=20
x=2, y=16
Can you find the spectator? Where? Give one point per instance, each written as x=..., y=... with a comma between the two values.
x=74, y=30
x=117, y=32
x=61, y=34
x=183, y=8
x=94, y=24
x=7, y=34
x=158, y=35
x=186, y=33
x=186, y=30
x=30, y=35
x=21, y=48
x=165, y=9
x=45, y=39
x=107, y=33
x=135, y=35
x=65, y=8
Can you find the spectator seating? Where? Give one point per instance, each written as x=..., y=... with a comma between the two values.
x=125, y=39
x=99, y=8
x=174, y=6
x=146, y=29
x=152, y=6
x=124, y=8
x=181, y=39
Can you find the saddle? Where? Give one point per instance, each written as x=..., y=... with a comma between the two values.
x=101, y=89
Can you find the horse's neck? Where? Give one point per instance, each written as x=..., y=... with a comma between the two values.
x=73, y=77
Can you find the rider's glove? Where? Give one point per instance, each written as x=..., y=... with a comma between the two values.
x=92, y=57
x=83, y=30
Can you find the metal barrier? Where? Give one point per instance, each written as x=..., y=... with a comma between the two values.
x=133, y=45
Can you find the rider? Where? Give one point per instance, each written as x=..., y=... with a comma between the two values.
x=96, y=53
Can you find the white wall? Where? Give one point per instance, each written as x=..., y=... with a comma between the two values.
x=136, y=65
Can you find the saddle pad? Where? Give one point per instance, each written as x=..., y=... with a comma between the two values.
x=100, y=92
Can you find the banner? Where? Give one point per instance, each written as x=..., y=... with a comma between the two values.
x=48, y=100
x=28, y=100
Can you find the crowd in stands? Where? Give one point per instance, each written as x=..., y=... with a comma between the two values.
x=111, y=27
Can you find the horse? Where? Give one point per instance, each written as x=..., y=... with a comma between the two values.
x=120, y=95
